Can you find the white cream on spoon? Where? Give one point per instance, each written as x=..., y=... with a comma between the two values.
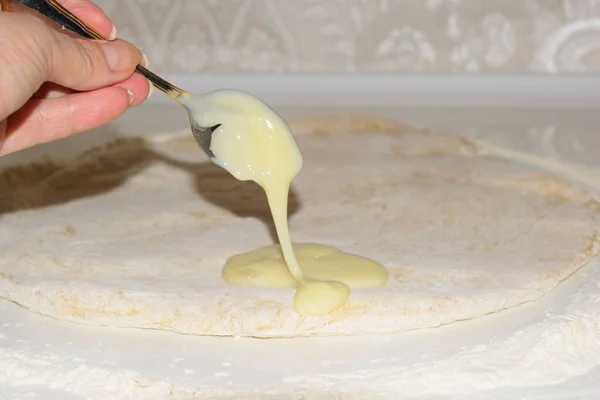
x=254, y=143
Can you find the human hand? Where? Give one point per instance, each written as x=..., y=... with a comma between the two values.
x=53, y=85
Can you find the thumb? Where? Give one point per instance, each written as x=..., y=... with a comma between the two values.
x=81, y=64
x=33, y=53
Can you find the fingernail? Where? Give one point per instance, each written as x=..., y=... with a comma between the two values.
x=151, y=91
x=145, y=61
x=113, y=33
x=112, y=56
x=131, y=96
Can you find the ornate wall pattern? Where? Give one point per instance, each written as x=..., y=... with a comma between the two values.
x=441, y=36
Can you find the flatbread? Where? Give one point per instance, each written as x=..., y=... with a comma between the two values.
x=135, y=234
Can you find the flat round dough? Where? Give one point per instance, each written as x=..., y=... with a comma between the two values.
x=136, y=234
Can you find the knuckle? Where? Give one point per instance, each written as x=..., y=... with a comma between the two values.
x=90, y=58
x=28, y=41
x=56, y=123
x=84, y=61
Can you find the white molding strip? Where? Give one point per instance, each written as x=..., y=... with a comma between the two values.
x=414, y=90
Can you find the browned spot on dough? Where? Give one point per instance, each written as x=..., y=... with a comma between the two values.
x=401, y=272
x=86, y=313
x=593, y=203
x=347, y=310
x=466, y=144
x=69, y=305
x=559, y=189
x=443, y=304
x=459, y=144
x=561, y=272
x=70, y=230
x=353, y=123
x=264, y=327
x=166, y=322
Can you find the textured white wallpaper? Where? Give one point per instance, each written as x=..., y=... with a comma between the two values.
x=476, y=36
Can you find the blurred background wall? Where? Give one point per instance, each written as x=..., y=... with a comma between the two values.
x=407, y=36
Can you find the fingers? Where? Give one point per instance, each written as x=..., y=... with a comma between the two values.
x=137, y=84
x=97, y=19
x=44, y=120
x=32, y=53
x=92, y=15
x=87, y=65
x=50, y=66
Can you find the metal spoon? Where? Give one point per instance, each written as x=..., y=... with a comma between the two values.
x=65, y=20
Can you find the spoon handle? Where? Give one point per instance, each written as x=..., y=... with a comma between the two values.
x=62, y=17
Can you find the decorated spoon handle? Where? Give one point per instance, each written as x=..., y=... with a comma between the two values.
x=65, y=20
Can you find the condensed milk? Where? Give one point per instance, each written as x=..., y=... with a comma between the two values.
x=254, y=143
